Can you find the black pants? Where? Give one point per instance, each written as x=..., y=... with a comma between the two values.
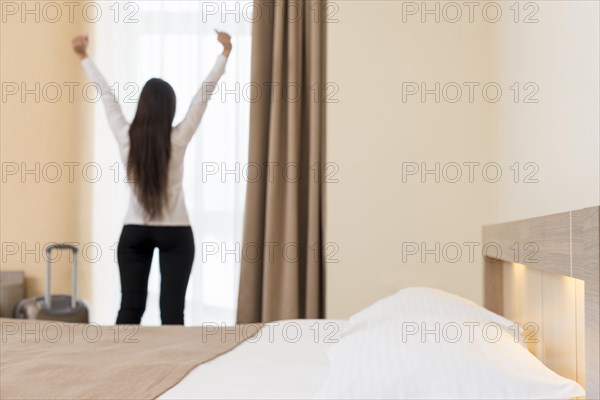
x=134, y=252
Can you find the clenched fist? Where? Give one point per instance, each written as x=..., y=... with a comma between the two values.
x=225, y=39
x=80, y=44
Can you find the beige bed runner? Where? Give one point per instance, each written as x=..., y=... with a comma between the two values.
x=55, y=360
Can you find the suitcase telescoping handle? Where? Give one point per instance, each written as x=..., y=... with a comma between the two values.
x=48, y=296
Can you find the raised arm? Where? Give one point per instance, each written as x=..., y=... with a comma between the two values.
x=186, y=128
x=116, y=120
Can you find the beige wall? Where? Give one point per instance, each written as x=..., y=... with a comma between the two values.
x=36, y=213
x=560, y=133
x=371, y=131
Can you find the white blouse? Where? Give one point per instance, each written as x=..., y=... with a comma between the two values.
x=175, y=212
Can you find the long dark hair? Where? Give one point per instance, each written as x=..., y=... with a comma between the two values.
x=150, y=146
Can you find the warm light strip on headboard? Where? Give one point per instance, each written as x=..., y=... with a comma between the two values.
x=567, y=244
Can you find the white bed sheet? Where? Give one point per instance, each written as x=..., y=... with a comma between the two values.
x=286, y=360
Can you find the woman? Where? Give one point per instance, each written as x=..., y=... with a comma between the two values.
x=153, y=151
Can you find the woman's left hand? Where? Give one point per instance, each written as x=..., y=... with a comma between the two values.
x=80, y=44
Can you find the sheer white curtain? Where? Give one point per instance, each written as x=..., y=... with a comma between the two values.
x=175, y=41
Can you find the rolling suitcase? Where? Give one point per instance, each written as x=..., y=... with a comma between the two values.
x=55, y=307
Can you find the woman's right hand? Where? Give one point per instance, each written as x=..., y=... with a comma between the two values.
x=80, y=44
x=225, y=39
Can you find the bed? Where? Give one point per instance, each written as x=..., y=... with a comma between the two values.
x=556, y=293
x=545, y=270
x=288, y=360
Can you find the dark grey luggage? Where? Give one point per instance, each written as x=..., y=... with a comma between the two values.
x=55, y=307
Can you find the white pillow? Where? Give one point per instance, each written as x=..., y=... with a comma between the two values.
x=385, y=358
x=420, y=302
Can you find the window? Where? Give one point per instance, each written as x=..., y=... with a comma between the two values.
x=175, y=40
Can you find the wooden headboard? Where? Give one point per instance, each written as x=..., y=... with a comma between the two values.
x=545, y=271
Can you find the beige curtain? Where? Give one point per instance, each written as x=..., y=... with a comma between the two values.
x=282, y=271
